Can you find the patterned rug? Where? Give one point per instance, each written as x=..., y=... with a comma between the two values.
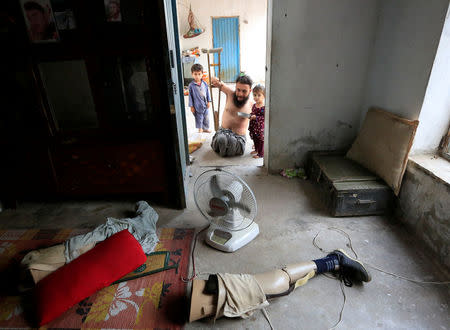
x=156, y=299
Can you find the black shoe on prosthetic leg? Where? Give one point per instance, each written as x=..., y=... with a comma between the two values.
x=350, y=270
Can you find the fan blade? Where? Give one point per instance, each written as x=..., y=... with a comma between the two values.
x=215, y=188
x=241, y=206
x=234, y=191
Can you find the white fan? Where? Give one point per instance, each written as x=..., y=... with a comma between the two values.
x=228, y=203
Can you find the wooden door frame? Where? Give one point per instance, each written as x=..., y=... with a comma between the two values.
x=269, y=4
x=268, y=70
x=173, y=62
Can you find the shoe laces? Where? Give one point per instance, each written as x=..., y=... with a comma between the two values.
x=342, y=275
x=347, y=281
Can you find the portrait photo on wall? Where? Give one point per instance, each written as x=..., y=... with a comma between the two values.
x=112, y=11
x=64, y=16
x=39, y=19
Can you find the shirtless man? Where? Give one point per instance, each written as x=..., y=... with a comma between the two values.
x=230, y=139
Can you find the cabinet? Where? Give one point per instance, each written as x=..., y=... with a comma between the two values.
x=92, y=116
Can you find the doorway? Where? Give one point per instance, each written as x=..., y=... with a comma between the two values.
x=240, y=29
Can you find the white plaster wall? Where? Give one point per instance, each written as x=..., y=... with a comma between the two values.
x=252, y=28
x=435, y=114
x=407, y=37
x=319, y=59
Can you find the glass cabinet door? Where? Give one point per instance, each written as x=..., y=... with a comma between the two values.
x=69, y=94
x=110, y=92
x=126, y=92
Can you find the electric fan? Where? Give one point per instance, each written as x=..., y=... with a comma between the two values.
x=228, y=203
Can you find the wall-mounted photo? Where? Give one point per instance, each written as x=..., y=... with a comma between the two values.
x=40, y=21
x=64, y=16
x=112, y=10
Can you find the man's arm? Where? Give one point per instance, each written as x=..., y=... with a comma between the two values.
x=224, y=88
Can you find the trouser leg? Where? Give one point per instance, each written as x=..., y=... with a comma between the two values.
x=219, y=143
x=198, y=119
x=259, y=147
x=235, y=148
x=206, y=119
x=232, y=146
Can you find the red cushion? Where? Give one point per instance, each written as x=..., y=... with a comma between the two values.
x=105, y=263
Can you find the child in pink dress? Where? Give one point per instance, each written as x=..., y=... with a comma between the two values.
x=256, y=127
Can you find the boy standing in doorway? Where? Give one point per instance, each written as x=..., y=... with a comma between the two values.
x=199, y=99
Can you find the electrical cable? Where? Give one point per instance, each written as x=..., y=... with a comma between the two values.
x=194, y=274
x=341, y=313
x=266, y=315
x=339, y=231
x=350, y=245
x=314, y=242
x=370, y=265
x=406, y=278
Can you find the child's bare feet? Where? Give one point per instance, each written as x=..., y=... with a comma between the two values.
x=253, y=152
x=200, y=130
x=256, y=156
x=206, y=131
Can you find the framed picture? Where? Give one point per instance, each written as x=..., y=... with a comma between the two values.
x=64, y=16
x=112, y=11
x=39, y=20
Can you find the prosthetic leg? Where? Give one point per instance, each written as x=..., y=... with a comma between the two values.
x=238, y=295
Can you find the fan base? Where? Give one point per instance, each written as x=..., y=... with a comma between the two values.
x=230, y=241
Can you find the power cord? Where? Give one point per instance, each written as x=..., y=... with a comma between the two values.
x=266, y=315
x=341, y=313
x=194, y=274
x=314, y=242
x=350, y=245
x=370, y=265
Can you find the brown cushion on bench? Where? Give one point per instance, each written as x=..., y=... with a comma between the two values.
x=383, y=144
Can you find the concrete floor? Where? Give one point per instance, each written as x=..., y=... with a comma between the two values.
x=290, y=214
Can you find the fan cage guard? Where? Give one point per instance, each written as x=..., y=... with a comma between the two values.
x=203, y=194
